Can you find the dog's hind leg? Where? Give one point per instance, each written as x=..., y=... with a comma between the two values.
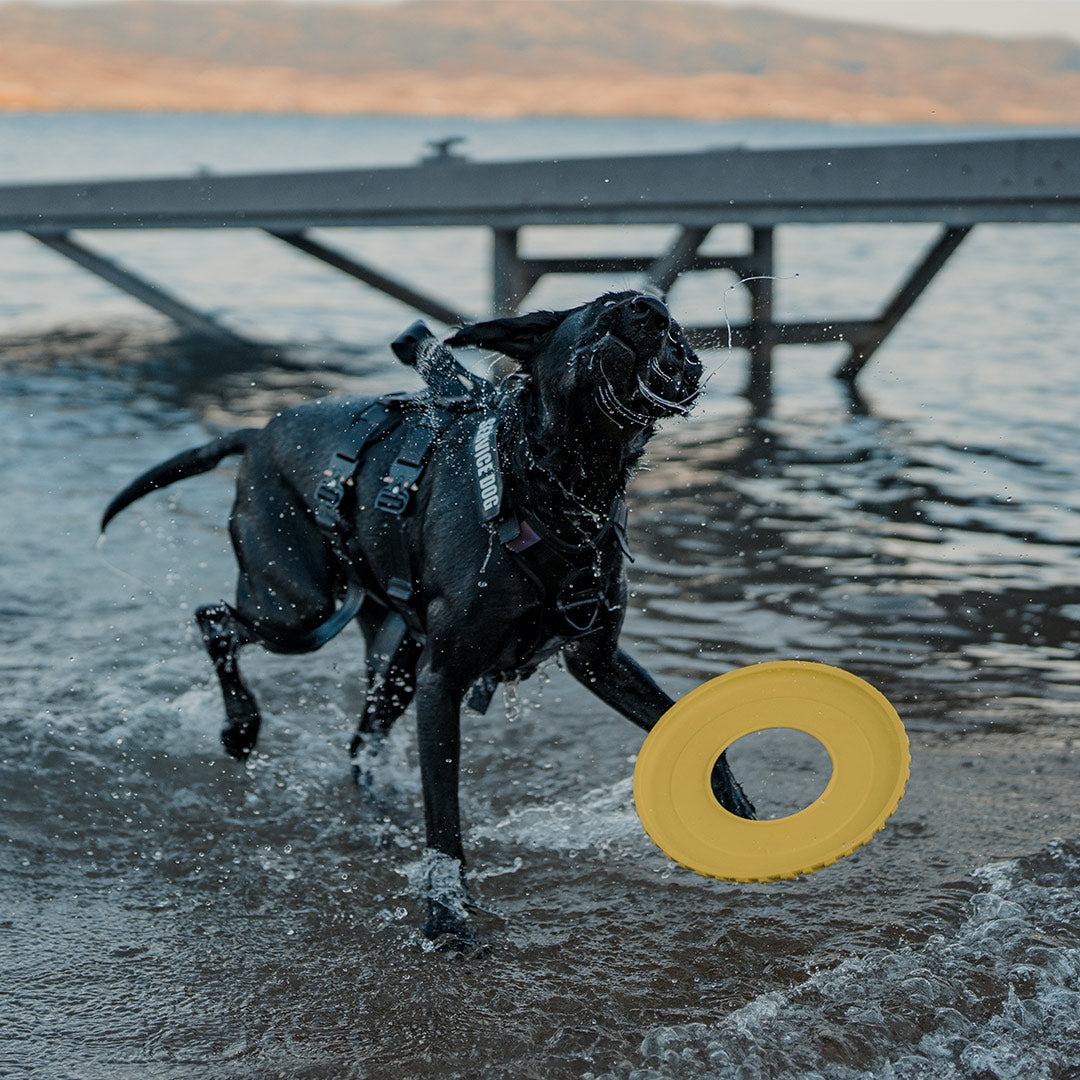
x=392, y=654
x=223, y=635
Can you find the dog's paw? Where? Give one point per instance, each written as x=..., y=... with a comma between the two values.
x=441, y=883
x=241, y=732
x=447, y=926
x=365, y=749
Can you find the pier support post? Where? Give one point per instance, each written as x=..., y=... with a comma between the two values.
x=760, y=287
x=680, y=256
x=426, y=305
x=511, y=276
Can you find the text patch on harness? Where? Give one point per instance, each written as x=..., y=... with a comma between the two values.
x=488, y=475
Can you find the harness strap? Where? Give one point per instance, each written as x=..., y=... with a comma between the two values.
x=406, y=470
x=317, y=638
x=486, y=471
x=618, y=523
x=373, y=422
x=391, y=633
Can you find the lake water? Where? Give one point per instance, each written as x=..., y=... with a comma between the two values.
x=167, y=913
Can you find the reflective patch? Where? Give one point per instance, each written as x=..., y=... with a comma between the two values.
x=488, y=475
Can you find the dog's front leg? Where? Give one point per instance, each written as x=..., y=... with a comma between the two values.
x=617, y=679
x=438, y=725
x=621, y=682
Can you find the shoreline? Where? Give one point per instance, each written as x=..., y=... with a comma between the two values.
x=126, y=85
x=845, y=121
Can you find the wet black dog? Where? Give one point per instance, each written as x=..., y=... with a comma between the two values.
x=493, y=542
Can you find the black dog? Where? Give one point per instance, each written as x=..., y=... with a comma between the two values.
x=471, y=531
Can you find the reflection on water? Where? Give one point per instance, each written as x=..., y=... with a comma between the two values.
x=853, y=541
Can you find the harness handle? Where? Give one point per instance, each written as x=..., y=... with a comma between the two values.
x=418, y=347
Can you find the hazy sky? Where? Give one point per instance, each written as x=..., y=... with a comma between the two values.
x=1010, y=17
x=1007, y=17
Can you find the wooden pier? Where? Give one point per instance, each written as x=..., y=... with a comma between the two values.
x=956, y=185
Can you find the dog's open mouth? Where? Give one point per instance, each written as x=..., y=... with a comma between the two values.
x=630, y=392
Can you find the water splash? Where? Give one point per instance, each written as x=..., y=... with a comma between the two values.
x=439, y=877
x=512, y=700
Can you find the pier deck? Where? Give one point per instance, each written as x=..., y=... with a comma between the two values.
x=958, y=185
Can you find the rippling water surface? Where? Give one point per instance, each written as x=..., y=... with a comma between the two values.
x=166, y=912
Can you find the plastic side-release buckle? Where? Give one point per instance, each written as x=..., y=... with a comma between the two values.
x=405, y=472
x=394, y=498
x=330, y=490
x=328, y=496
x=399, y=589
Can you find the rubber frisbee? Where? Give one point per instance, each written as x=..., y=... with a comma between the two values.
x=854, y=722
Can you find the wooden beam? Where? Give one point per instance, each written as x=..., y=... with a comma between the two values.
x=760, y=287
x=390, y=286
x=962, y=182
x=511, y=276
x=535, y=267
x=154, y=296
x=679, y=257
x=920, y=277
x=743, y=335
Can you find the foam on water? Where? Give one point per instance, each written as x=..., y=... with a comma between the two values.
x=999, y=998
x=603, y=820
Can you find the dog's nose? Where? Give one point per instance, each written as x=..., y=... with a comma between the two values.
x=649, y=309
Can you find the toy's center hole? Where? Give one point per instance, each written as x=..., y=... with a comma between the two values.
x=781, y=770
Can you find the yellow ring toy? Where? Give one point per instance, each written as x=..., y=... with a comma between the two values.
x=854, y=722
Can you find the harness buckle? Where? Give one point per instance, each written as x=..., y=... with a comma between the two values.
x=399, y=589
x=393, y=499
x=328, y=496
x=330, y=491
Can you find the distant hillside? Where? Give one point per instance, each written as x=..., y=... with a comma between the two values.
x=492, y=58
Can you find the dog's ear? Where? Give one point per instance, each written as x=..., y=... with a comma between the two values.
x=520, y=337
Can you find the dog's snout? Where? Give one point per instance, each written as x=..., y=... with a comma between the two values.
x=649, y=309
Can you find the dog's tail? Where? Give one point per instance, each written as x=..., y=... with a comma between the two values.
x=188, y=463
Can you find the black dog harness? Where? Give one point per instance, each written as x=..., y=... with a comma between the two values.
x=556, y=568
x=549, y=557
x=452, y=391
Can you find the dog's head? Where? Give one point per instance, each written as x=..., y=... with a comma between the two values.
x=621, y=359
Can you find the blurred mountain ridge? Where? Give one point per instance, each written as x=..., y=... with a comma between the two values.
x=541, y=57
